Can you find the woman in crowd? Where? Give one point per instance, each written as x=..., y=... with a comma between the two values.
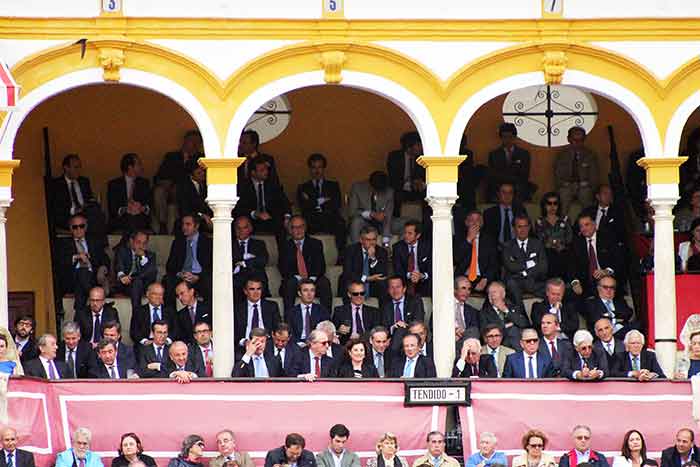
x=355, y=365
x=689, y=251
x=9, y=363
x=387, y=449
x=555, y=232
x=131, y=450
x=686, y=368
x=190, y=454
x=634, y=451
x=534, y=442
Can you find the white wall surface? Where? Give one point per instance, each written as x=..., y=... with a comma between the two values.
x=442, y=9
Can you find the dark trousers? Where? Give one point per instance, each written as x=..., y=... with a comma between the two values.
x=288, y=291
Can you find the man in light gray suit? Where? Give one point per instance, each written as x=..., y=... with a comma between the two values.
x=372, y=203
x=336, y=450
x=493, y=336
x=524, y=261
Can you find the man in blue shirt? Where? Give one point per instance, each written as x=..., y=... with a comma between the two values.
x=487, y=454
x=79, y=455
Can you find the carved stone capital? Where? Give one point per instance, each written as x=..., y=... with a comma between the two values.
x=332, y=63
x=111, y=60
x=554, y=65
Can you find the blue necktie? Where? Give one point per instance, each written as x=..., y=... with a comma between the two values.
x=408, y=367
x=365, y=271
x=156, y=313
x=9, y=460
x=530, y=368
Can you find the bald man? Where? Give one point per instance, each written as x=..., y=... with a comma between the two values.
x=181, y=366
x=11, y=456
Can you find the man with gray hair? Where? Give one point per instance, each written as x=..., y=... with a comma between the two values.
x=313, y=363
x=472, y=364
x=226, y=445
x=466, y=316
x=586, y=363
x=335, y=350
x=181, y=367
x=637, y=362
x=582, y=451
x=76, y=353
x=46, y=365
x=436, y=455
x=79, y=455
x=487, y=455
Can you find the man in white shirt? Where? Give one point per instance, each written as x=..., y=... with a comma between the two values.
x=46, y=366
x=181, y=367
x=337, y=455
x=14, y=457
x=106, y=366
x=202, y=349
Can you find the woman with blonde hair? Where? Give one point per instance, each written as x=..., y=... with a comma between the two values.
x=534, y=442
x=9, y=360
x=387, y=449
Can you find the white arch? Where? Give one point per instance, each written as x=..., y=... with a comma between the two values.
x=407, y=101
x=143, y=79
x=674, y=132
x=611, y=90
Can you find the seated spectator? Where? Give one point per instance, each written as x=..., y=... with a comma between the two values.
x=154, y=356
x=555, y=290
x=192, y=194
x=466, y=316
x=412, y=364
x=105, y=366
x=79, y=453
x=425, y=345
x=254, y=312
x=492, y=334
x=401, y=309
x=171, y=173
x=12, y=455
x=192, y=312
x=145, y=315
x=320, y=202
x=248, y=148
x=190, y=259
x=551, y=343
x=126, y=357
x=387, y=453
x=689, y=251
x=496, y=310
x=633, y=452
x=76, y=353
x=606, y=305
x=406, y=176
x=337, y=451
x=576, y=170
x=683, y=451
x=498, y=220
x=335, y=350
x=282, y=348
x=292, y=453
x=687, y=368
x=587, y=363
x=372, y=205
x=487, y=455
x=534, y=443
x=191, y=453
x=638, y=363
x=129, y=197
x=524, y=261
x=249, y=257
x=181, y=366
x=304, y=317
x=366, y=263
x=23, y=336
x=685, y=217
x=81, y=262
x=582, y=451
x=412, y=258
x=613, y=347
x=202, y=349
x=226, y=446
x=380, y=353
x=136, y=267
x=355, y=364
x=45, y=365
x=436, y=452
x=130, y=450
x=509, y=163
x=91, y=319
x=529, y=363
x=608, y=214
x=471, y=363
x=355, y=318
x=255, y=363
x=9, y=361
x=302, y=258
x=555, y=231
x=477, y=258
x=313, y=363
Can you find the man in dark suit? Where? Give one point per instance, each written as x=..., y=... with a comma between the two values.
x=551, y=343
x=90, y=320
x=313, y=363
x=412, y=364
x=413, y=259
x=637, y=362
x=529, y=363
x=586, y=363
x=136, y=266
x=498, y=220
x=496, y=310
x=509, y=163
x=466, y=316
x=355, y=318
x=126, y=357
x=75, y=353
x=202, y=349
x=46, y=365
x=129, y=197
x=301, y=258
x=11, y=456
x=23, y=335
x=248, y=148
x=106, y=366
x=606, y=305
x=554, y=303
x=613, y=347
x=255, y=363
x=524, y=261
x=320, y=201
x=472, y=364
x=608, y=212
x=282, y=348
x=304, y=317
x=366, y=263
x=406, y=176
x=476, y=257
x=181, y=366
x=192, y=193
x=335, y=351
x=81, y=262
x=254, y=312
x=154, y=356
x=145, y=315
x=380, y=353
x=401, y=309
x=250, y=257
x=190, y=259
x=193, y=311
x=683, y=451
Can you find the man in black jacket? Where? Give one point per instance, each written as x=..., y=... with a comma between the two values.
x=412, y=364
x=76, y=353
x=606, y=341
x=683, y=451
x=554, y=303
x=145, y=315
x=91, y=319
x=292, y=453
x=498, y=220
x=401, y=309
x=605, y=305
x=355, y=318
x=485, y=267
x=129, y=197
x=192, y=194
x=250, y=257
x=17, y=457
x=406, y=176
x=135, y=266
x=255, y=363
x=46, y=365
x=254, y=312
x=23, y=335
x=509, y=163
x=366, y=263
x=193, y=311
x=413, y=259
x=496, y=310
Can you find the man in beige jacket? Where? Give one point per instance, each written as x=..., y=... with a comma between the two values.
x=436, y=456
x=228, y=456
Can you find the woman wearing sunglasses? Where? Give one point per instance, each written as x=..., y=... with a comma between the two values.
x=534, y=442
x=191, y=454
x=556, y=233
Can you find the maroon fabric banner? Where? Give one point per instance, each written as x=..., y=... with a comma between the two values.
x=687, y=286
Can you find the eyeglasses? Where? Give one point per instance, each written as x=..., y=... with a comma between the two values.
x=585, y=347
x=78, y=226
x=608, y=287
x=535, y=446
x=323, y=343
x=552, y=203
x=492, y=336
x=583, y=437
x=357, y=294
x=531, y=341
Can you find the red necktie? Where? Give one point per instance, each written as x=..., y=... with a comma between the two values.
x=555, y=354
x=207, y=364
x=301, y=264
x=592, y=258
x=317, y=366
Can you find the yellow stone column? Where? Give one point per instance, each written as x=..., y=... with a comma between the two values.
x=441, y=178
x=662, y=182
x=6, y=169
x=222, y=177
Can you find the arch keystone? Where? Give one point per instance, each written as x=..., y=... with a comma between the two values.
x=111, y=60
x=554, y=65
x=332, y=63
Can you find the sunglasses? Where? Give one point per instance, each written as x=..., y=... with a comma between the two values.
x=531, y=341
x=536, y=446
x=77, y=226
x=608, y=287
x=583, y=437
x=357, y=294
x=552, y=203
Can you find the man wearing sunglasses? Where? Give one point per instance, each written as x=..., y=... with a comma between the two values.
x=355, y=318
x=313, y=363
x=81, y=263
x=587, y=363
x=606, y=305
x=529, y=363
x=582, y=451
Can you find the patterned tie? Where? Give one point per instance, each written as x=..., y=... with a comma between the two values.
x=307, y=321
x=9, y=460
x=301, y=264
x=635, y=363
x=71, y=364
x=358, y=321
x=379, y=363
x=317, y=366
x=473, y=264
x=207, y=364
x=592, y=258
x=255, y=323
x=156, y=314
x=530, y=368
